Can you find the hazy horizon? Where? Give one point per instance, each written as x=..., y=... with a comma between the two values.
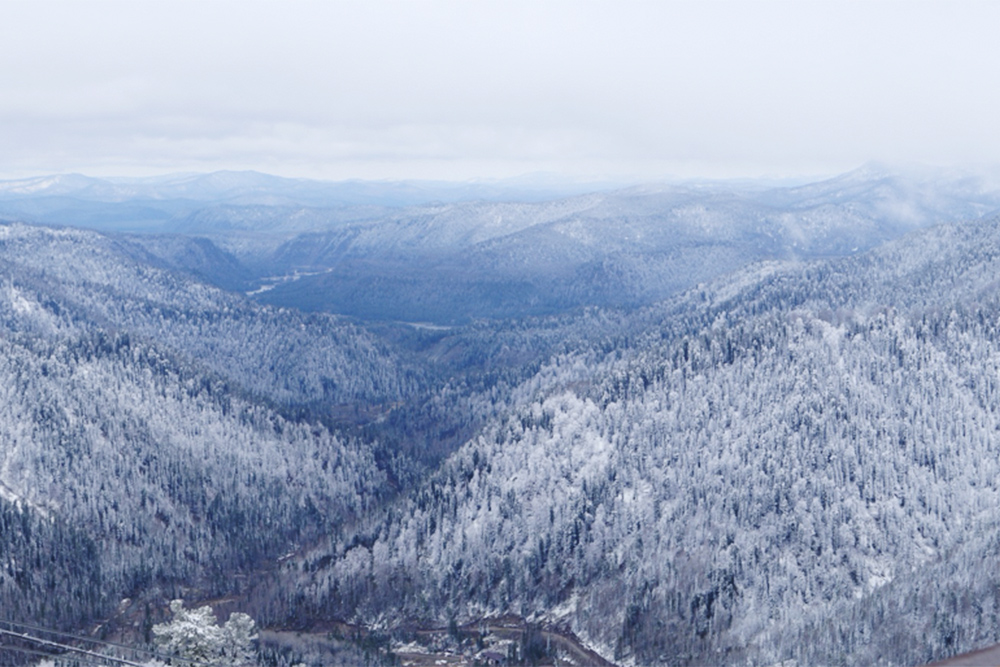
x=536, y=180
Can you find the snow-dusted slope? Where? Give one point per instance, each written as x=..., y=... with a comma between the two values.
x=794, y=460
x=125, y=465
x=86, y=280
x=798, y=465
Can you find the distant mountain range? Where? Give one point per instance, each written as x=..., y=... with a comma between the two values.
x=383, y=251
x=160, y=203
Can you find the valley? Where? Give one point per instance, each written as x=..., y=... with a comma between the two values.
x=702, y=423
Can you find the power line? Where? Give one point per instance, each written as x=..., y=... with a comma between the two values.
x=43, y=654
x=61, y=633
x=134, y=649
x=67, y=647
x=31, y=651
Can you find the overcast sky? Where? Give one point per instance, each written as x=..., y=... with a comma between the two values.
x=473, y=89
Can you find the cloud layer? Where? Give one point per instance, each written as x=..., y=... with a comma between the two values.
x=465, y=90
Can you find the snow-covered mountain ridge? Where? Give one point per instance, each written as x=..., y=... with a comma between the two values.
x=773, y=473
x=788, y=459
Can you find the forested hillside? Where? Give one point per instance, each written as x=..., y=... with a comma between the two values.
x=800, y=463
x=86, y=281
x=133, y=452
x=793, y=454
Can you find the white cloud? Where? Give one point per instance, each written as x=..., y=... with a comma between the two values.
x=459, y=89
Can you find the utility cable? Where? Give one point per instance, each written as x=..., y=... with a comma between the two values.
x=43, y=654
x=61, y=633
x=66, y=647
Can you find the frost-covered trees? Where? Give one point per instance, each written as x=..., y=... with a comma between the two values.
x=788, y=464
x=782, y=456
x=123, y=446
x=65, y=282
x=194, y=634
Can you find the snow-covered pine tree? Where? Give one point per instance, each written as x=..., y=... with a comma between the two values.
x=194, y=634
